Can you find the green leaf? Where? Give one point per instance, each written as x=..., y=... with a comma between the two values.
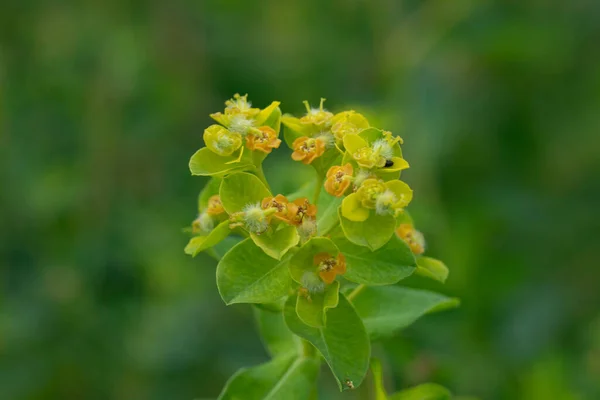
x=275, y=334
x=371, y=135
x=302, y=261
x=432, y=268
x=198, y=244
x=426, y=391
x=312, y=309
x=283, y=378
x=206, y=163
x=270, y=116
x=221, y=248
x=327, y=212
x=387, y=309
x=384, y=266
x=376, y=371
x=343, y=341
x=247, y=275
x=373, y=233
x=277, y=243
x=240, y=189
x=306, y=190
x=322, y=164
x=210, y=189
x=294, y=129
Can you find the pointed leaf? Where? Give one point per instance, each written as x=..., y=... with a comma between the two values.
x=277, y=243
x=373, y=233
x=275, y=335
x=312, y=309
x=343, y=341
x=270, y=116
x=201, y=243
x=426, y=391
x=240, y=189
x=247, y=275
x=387, y=309
x=206, y=163
x=432, y=268
x=283, y=378
x=384, y=266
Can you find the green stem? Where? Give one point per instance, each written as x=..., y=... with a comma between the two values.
x=261, y=175
x=356, y=292
x=318, y=189
x=308, y=350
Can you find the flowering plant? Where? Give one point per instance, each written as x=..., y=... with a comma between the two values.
x=321, y=267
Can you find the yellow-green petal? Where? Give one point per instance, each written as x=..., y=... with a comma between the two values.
x=220, y=118
x=352, y=117
x=353, y=143
x=398, y=165
x=402, y=191
x=353, y=210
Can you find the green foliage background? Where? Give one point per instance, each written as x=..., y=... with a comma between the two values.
x=103, y=102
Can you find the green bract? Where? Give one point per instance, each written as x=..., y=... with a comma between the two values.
x=240, y=190
x=385, y=266
x=321, y=266
x=201, y=243
x=342, y=341
x=268, y=280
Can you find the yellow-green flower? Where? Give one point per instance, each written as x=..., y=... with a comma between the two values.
x=240, y=105
x=385, y=198
x=222, y=141
x=347, y=123
x=317, y=116
x=380, y=154
x=240, y=117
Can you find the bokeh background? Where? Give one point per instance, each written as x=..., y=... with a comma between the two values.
x=103, y=102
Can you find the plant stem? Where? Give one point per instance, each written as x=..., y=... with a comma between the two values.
x=318, y=189
x=308, y=349
x=261, y=175
x=356, y=292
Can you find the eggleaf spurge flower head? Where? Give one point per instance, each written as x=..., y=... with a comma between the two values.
x=327, y=257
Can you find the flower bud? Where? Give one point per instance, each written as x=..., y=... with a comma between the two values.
x=412, y=237
x=203, y=224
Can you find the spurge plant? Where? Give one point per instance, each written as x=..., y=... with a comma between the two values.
x=321, y=267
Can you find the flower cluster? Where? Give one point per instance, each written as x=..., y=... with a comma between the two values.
x=314, y=250
x=258, y=217
x=240, y=123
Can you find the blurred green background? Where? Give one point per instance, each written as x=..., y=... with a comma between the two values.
x=103, y=102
